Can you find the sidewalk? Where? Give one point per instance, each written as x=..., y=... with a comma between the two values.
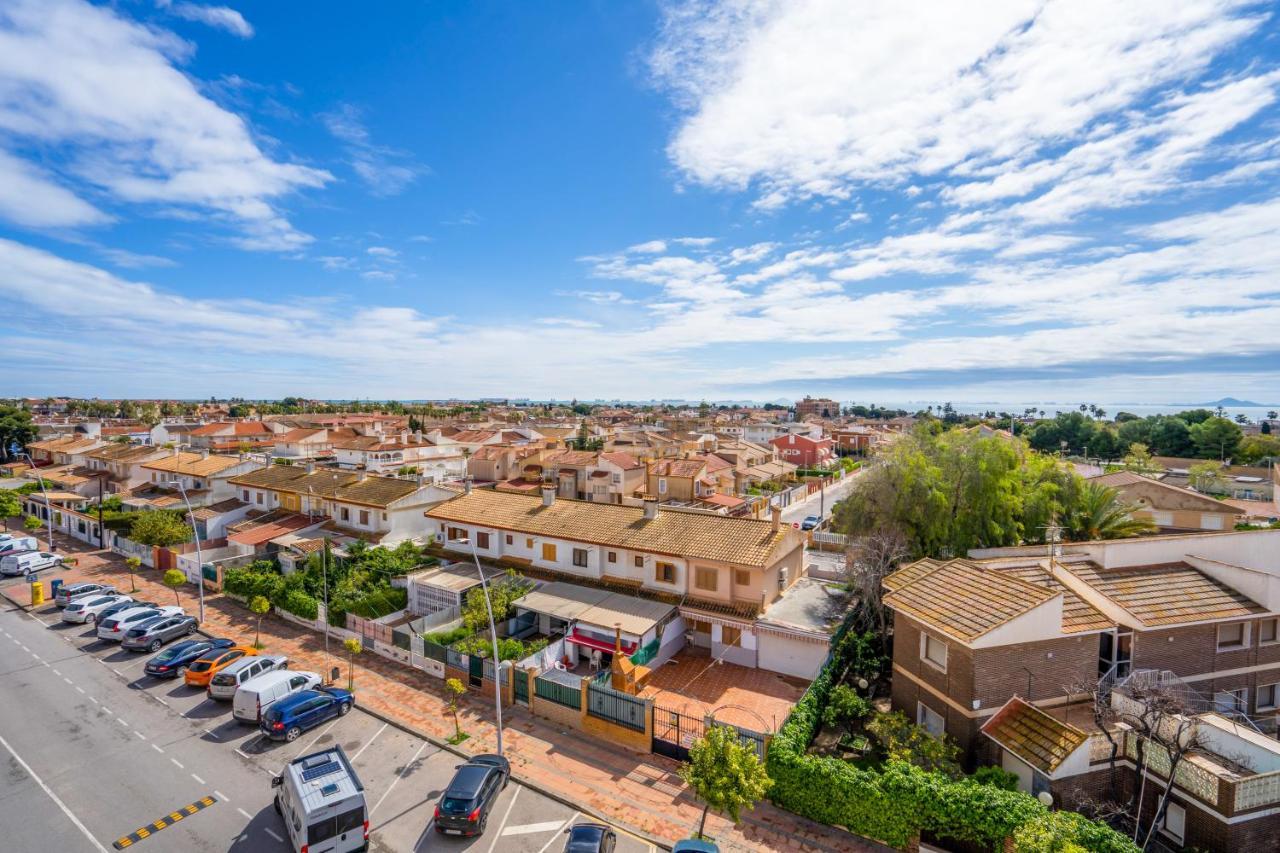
x=640, y=793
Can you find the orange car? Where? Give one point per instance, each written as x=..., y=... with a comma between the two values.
x=199, y=673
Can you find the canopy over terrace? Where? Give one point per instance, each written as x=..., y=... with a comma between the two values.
x=592, y=614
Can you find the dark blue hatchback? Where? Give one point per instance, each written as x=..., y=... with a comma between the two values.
x=293, y=715
x=173, y=661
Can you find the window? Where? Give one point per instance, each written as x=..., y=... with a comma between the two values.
x=664, y=573
x=244, y=495
x=932, y=721
x=1233, y=636
x=482, y=540
x=730, y=636
x=580, y=557
x=1175, y=821
x=548, y=552
x=528, y=542
x=257, y=498
x=662, y=485
x=707, y=579
x=1161, y=519
x=933, y=651
x=364, y=516
x=345, y=514
x=613, y=556
x=1267, y=694
x=1267, y=632
x=1210, y=521
x=510, y=539
x=639, y=561
x=742, y=577
x=1229, y=701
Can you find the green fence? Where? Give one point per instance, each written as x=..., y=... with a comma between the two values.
x=608, y=704
x=521, y=685
x=561, y=694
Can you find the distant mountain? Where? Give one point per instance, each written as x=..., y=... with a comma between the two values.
x=1231, y=402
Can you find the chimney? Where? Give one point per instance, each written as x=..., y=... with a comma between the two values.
x=204, y=453
x=364, y=474
x=776, y=512
x=311, y=466
x=617, y=639
x=738, y=485
x=466, y=488
x=548, y=494
x=650, y=507
x=175, y=450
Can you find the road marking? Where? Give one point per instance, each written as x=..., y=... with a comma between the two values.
x=316, y=739
x=371, y=740
x=215, y=737
x=531, y=828
x=24, y=648
x=243, y=754
x=121, y=721
x=399, y=776
x=139, y=734
x=502, y=827
x=55, y=672
x=106, y=710
x=556, y=837
x=36, y=656
x=161, y=751
x=245, y=814
x=168, y=820
x=177, y=762
x=221, y=796
x=197, y=778
x=75, y=820
x=161, y=701
x=68, y=680
x=80, y=690
x=93, y=700
x=273, y=834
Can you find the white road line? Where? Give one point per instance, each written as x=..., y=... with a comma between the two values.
x=93, y=700
x=139, y=734
x=532, y=828
x=24, y=648
x=198, y=779
x=245, y=814
x=68, y=680
x=44, y=663
x=106, y=710
x=215, y=737
x=399, y=776
x=55, y=672
x=221, y=796
x=161, y=701
x=273, y=834
x=316, y=739
x=502, y=827
x=36, y=656
x=243, y=754
x=80, y=826
x=556, y=837
x=80, y=690
x=371, y=740
x=157, y=748
x=177, y=762
x=122, y=722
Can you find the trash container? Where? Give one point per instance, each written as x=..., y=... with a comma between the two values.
x=37, y=593
x=54, y=585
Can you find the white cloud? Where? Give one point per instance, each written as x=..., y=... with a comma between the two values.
x=336, y=262
x=653, y=247
x=697, y=242
x=378, y=275
x=131, y=125
x=218, y=17
x=134, y=260
x=382, y=252
x=568, y=322
x=385, y=170
x=30, y=197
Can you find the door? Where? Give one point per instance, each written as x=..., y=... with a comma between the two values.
x=291, y=502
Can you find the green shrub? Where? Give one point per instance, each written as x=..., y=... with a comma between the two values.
x=448, y=638
x=996, y=776
x=300, y=604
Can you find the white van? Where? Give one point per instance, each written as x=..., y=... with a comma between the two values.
x=256, y=695
x=31, y=561
x=321, y=800
x=225, y=684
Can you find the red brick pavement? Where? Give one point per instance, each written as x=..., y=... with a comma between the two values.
x=641, y=793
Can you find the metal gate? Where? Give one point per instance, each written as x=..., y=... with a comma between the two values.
x=521, y=685
x=476, y=670
x=674, y=733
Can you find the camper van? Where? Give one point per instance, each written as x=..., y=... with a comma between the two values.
x=322, y=802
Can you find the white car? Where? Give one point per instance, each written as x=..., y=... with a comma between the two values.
x=31, y=561
x=85, y=608
x=114, y=627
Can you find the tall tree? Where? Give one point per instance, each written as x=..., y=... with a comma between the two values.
x=1216, y=438
x=725, y=774
x=1101, y=514
x=159, y=528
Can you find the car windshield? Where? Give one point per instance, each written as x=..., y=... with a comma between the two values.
x=170, y=654
x=455, y=804
x=201, y=665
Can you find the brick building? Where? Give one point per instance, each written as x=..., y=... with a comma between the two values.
x=818, y=407
x=804, y=451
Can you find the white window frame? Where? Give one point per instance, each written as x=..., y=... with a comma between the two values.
x=1244, y=637
x=923, y=715
x=1240, y=700
x=662, y=485
x=1179, y=814
x=1210, y=521
x=925, y=639
x=1274, y=688
x=1275, y=631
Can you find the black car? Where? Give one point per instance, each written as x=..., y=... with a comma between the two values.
x=150, y=635
x=590, y=838
x=173, y=661
x=464, y=808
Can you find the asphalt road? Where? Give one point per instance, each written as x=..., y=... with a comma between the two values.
x=93, y=749
x=817, y=503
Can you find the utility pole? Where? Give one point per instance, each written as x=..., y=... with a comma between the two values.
x=101, y=532
x=324, y=572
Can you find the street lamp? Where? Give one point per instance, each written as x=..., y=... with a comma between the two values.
x=199, y=559
x=48, y=507
x=493, y=635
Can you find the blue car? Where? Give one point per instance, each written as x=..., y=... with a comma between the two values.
x=173, y=661
x=810, y=522
x=306, y=709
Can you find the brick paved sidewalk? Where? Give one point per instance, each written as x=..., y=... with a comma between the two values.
x=641, y=793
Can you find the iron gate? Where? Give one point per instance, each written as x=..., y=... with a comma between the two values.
x=521, y=686
x=476, y=670
x=674, y=733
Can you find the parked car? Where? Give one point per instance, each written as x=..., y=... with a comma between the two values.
x=695, y=845
x=810, y=522
x=70, y=591
x=19, y=544
x=28, y=562
x=114, y=627
x=85, y=608
x=123, y=606
x=293, y=715
x=201, y=671
x=464, y=807
x=225, y=683
x=256, y=695
x=590, y=838
x=150, y=635
x=173, y=661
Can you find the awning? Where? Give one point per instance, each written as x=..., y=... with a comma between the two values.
x=593, y=643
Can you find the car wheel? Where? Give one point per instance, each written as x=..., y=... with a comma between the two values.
x=275, y=801
x=484, y=821
x=154, y=647
x=292, y=734
x=191, y=629
x=91, y=618
x=181, y=673
x=343, y=709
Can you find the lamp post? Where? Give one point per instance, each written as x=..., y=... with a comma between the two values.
x=196, y=533
x=493, y=636
x=48, y=507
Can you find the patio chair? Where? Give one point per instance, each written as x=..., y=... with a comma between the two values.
x=595, y=660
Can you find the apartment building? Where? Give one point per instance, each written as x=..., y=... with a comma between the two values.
x=433, y=456
x=205, y=476
x=733, y=580
x=803, y=450
x=123, y=464
x=70, y=449
x=816, y=407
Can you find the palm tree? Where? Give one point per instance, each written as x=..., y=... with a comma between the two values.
x=1100, y=513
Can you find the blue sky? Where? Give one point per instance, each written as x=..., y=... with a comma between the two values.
x=1026, y=201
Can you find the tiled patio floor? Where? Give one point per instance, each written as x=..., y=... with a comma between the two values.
x=693, y=683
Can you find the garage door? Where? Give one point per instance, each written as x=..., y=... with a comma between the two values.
x=790, y=656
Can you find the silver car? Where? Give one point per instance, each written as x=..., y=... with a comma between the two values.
x=224, y=684
x=114, y=627
x=75, y=590
x=150, y=634
x=85, y=608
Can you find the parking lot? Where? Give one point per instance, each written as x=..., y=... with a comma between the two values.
x=94, y=749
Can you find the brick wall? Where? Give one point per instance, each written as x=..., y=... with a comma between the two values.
x=1034, y=671
x=1193, y=650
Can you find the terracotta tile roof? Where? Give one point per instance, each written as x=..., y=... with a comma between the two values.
x=965, y=601
x=715, y=463
x=570, y=457
x=1033, y=736
x=1158, y=495
x=126, y=453
x=65, y=443
x=622, y=459
x=679, y=467
x=723, y=500
x=520, y=485
x=908, y=573
x=473, y=436
x=237, y=428
x=1167, y=594
x=269, y=527
x=1077, y=614
x=193, y=464
x=299, y=434
x=206, y=513
x=345, y=486
x=742, y=541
